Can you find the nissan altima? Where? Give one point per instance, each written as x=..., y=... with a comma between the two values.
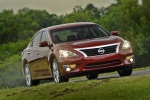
x=75, y=49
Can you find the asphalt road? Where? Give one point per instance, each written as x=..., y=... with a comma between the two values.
x=134, y=73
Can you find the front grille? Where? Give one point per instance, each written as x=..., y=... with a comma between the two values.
x=101, y=50
x=103, y=64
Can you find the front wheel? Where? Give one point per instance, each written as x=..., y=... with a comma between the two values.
x=56, y=73
x=92, y=76
x=125, y=72
x=28, y=77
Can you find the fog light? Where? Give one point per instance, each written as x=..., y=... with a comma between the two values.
x=68, y=69
x=73, y=66
x=130, y=58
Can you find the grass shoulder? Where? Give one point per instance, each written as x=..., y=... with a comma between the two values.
x=126, y=88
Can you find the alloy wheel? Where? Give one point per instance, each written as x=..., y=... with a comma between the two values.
x=27, y=75
x=56, y=74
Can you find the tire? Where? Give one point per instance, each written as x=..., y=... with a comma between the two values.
x=28, y=77
x=125, y=72
x=56, y=73
x=92, y=76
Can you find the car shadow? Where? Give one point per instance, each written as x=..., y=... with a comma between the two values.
x=99, y=78
x=107, y=77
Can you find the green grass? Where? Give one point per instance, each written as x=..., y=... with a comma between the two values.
x=134, y=69
x=11, y=72
x=142, y=68
x=126, y=88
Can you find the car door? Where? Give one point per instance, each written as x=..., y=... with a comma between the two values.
x=33, y=53
x=43, y=53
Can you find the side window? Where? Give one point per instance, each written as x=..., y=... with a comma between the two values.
x=36, y=40
x=45, y=37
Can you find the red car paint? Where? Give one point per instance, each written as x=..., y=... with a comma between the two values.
x=88, y=56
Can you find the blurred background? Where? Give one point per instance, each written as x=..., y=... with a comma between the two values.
x=20, y=19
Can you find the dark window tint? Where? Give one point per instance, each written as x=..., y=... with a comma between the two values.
x=36, y=40
x=45, y=37
x=98, y=32
x=78, y=33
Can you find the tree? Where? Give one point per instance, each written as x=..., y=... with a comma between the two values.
x=133, y=22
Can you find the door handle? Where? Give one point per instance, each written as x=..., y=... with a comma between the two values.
x=28, y=52
x=37, y=52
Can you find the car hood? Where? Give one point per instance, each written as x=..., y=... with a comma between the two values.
x=90, y=42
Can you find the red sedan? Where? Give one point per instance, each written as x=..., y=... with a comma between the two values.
x=75, y=49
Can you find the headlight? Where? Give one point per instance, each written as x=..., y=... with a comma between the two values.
x=126, y=45
x=65, y=53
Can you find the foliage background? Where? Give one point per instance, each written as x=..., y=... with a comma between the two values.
x=16, y=29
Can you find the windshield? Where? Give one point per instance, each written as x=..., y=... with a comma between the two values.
x=78, y=33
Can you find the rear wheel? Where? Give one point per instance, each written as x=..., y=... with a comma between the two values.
x=92, y=76
x=56, y=73
x=125, y=72
x=28, y=77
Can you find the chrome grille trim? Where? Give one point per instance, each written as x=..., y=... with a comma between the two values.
x=96, y=47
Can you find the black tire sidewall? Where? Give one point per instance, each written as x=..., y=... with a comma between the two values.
x=125, y=72
x=91, y=76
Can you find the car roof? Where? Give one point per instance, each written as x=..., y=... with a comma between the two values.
x=69, y=25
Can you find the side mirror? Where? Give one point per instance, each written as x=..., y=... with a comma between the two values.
x=115, y=33
x=43, y=44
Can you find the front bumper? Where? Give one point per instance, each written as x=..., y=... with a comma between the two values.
x=95, y=64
